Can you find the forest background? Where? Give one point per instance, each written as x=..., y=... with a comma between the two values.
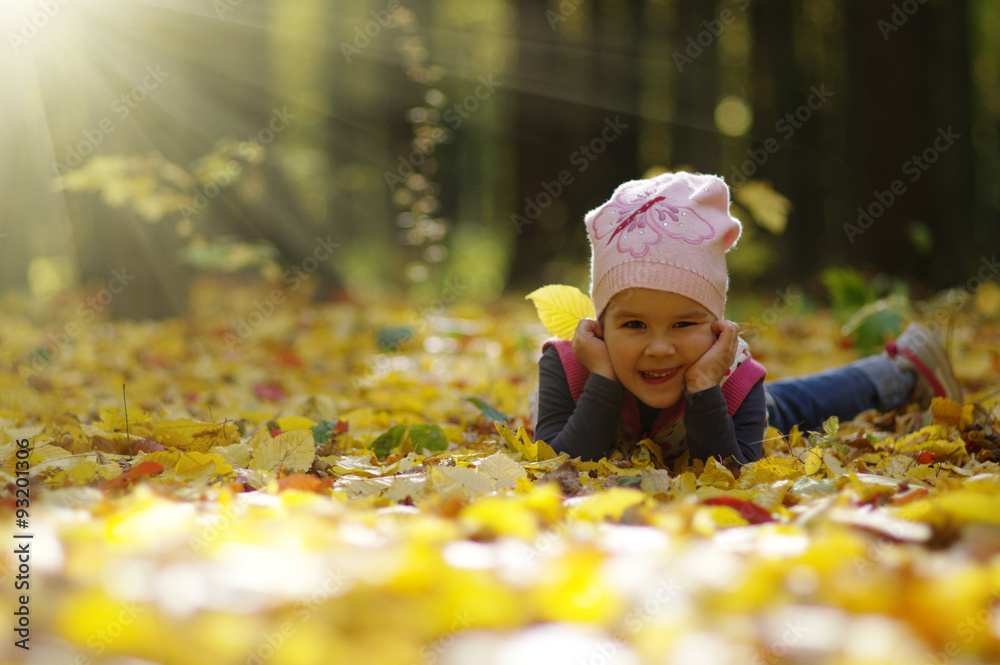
x=435, y=142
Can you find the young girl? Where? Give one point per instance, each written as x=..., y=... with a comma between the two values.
x=661, y=361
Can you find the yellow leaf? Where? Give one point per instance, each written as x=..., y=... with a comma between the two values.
x=165, y=458
x=945, y=412
x=195, y=466
x=237, y=454
x=610, y=469
x=187, y=435
x=502, y=470
x=987, y=300
x=545, y=451
x=770, y=469
x=576, y=589
x=814, y=463
x=769, y=208
x=289, y=452
x=708, y=519
x=294, y=423
x=656, y=481
x=255, y=417
x=561, y=307
x=961, y=506
x=938, y=439
x=532, y=451
x=87, y=472
x=500, y=515
x=686, y=483
x=716, y=475
x=448, y=478
x=653, y=449
x=608, y=505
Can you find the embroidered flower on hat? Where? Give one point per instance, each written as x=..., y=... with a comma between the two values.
x=639, y=219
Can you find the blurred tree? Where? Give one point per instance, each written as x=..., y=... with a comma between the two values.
x=910, y=124
x=579, y=67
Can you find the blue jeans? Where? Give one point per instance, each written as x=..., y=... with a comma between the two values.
x=807, y=401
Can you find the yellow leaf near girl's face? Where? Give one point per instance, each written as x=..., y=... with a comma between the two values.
x=561, y=307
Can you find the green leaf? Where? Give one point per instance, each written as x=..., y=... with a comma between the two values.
x=389, y=441
x=391, y=340
x=430, y=437
x=848, y=288
x=490, y=413
x=831, y=425
x=323, y=430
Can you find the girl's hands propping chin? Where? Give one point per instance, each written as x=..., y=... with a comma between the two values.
x=711, y=367
x=590, y=349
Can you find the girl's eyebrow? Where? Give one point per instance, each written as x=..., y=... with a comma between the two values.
x=693, y=314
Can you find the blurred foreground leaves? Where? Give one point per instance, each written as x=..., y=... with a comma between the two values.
x=298, y=495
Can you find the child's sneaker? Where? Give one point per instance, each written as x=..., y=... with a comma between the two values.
x=919, y=351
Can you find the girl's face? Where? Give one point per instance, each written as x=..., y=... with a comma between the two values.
x=652, y=338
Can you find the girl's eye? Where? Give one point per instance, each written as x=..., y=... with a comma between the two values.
x=633, y=324
x=684, y=324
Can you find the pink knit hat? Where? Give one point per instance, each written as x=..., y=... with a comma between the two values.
x=669, y=233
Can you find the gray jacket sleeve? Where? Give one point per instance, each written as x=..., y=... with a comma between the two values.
x=583, y=429
x=710, y=430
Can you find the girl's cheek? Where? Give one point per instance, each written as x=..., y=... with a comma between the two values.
x=703, y=340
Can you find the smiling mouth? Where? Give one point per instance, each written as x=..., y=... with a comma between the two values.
x=655, y=376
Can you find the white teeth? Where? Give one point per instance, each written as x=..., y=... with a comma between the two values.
x=657, y=375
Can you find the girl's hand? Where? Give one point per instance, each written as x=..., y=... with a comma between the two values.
x=590, y=349
x=711, y=367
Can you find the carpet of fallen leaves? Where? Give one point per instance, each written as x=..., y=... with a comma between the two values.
x=303, y=483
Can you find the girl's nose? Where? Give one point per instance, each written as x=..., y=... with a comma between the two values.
x=660, y=346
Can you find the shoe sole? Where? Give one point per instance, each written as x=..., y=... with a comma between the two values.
x=940, y=359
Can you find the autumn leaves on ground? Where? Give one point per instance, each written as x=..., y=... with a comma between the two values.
x=331, y=488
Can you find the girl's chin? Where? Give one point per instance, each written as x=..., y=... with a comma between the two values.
x=658, y=399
